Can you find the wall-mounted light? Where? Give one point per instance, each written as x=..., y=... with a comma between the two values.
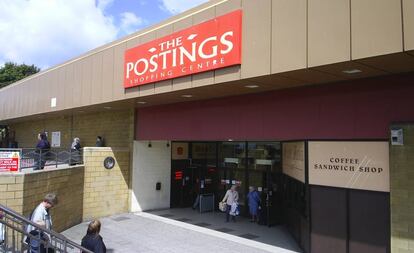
x=252, y=86
x=187, y=96
x=149, y=144
x=107, y=107
x=141, y=102
x=352, y=71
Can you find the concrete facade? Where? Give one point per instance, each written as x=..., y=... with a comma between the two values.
x=151, y=165
x=313, y=45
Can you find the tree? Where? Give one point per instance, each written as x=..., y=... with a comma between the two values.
x=11, y=72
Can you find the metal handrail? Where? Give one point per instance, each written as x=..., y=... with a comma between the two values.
x=38, y=159
x=16, y=224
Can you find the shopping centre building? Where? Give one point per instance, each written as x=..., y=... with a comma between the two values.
x=309, y=101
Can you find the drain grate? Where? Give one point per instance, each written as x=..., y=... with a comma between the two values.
x=183, y=219
x=167, y=215
x=202, y=224
x=249, y=236
x=121, y=218
x=224, y=230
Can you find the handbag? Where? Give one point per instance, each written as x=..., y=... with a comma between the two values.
x=222, y=206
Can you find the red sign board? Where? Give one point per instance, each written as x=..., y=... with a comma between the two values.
x=210, y=45
x=178, y=175
x=9, y=161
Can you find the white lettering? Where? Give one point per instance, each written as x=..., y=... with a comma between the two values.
x=164, y=58
x=226, y=42
x=184, y=52
x=201, y=52
x=130, y=67
x=143, y=60
x=153, y=63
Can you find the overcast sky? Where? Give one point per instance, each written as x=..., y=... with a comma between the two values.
x=48, y=32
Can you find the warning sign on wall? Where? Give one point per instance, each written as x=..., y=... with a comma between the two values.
x=9, y=161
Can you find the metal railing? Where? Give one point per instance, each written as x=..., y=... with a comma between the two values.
x=13, y=232
x=37, y=159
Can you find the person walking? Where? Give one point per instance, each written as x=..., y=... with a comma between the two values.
x=42, y=147
x=231, y=199
x=253, y=198
x=92, y=240
x=75, y=152
x=100, y=141
x=41, y=216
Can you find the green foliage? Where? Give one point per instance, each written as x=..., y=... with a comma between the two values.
x=11, y=72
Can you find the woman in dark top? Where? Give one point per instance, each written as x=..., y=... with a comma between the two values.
x=92, y=240
x=42, y=149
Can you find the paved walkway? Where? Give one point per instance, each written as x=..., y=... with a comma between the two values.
x=184, y=230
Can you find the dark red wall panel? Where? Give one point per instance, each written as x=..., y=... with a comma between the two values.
x=358, y=109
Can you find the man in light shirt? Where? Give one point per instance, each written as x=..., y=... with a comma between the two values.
x=231, y=199
x=41, y=214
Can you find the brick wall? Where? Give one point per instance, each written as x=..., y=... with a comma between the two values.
x=26, y=132
x=84, y=192
x=402, y=193
x=11, y=190
x=117, y=127
x=22, y=192
x=106, y=191
x=67, y=184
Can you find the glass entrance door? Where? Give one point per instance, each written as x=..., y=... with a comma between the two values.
x=232, y=158
x=264, y=174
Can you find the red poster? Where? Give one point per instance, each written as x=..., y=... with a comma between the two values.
x=210, y=45
x=9, y=161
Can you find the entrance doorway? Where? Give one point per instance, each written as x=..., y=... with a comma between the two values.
x=213, y=167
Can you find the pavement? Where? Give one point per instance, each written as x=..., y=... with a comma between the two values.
x=185, y=230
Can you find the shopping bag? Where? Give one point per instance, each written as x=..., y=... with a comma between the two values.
x=222, y=206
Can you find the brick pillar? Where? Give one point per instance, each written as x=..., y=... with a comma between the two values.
x=402, y=193
x=106, y=191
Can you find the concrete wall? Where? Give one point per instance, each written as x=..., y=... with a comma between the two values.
x=402, y=192
x=115, y=126
x=278, y=36
x=23, y=192
x=106, y=191
x=151, y=165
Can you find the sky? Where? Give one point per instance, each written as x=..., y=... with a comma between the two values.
x=48, y=32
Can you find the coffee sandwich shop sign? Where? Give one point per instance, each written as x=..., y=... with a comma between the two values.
x=9, y=161
x=362, y=165
x=210, y=45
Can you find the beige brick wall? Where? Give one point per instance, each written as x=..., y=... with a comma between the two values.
x=67, y=184
x=11, y=190
x=117, y=127
x=106, y=191
x=402, y=193
x=26, y=132
x=23, y=192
